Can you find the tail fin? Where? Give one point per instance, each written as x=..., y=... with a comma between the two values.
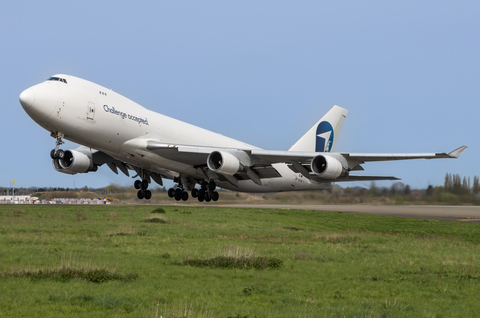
x=323, y=135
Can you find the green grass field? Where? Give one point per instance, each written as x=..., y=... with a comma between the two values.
x=125, y=261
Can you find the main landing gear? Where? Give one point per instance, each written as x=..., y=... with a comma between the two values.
x=205, y=193
x=142, y=187
x=179, y=193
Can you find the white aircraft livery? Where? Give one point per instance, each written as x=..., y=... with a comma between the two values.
x=125, y=136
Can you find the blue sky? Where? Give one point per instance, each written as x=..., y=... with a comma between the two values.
x=261, y=72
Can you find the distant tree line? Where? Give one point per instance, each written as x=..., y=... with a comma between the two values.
x=456, y=190
x=456, y=185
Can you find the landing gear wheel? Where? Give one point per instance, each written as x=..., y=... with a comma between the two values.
x=171, y=192
x=178, y=194
x=194, y=192
x=212, y=186
x=140, y=195
x=201, y=195
x=208, y=198
x=215, y=196
x=184, y=195
x=59, y=155
x=148, y=194
x=144, y=184
x=137, y=184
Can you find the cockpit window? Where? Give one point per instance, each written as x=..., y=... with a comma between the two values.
x=57, y=79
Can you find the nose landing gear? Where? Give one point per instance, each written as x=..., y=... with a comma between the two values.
x=57, y=153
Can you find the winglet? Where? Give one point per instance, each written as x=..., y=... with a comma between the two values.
x=457, y=152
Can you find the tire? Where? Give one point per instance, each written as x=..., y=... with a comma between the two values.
x=184, y=195
x=52, y=154
x=215, y=196
x=60, y=153
x=178, y=194
x=144, y=184
x=208, y=198
x=137, y=184
x=140, y=195
x=171, y=192
x=148, y=194
x=201, y=195
x=194, y=193
x=212, y=186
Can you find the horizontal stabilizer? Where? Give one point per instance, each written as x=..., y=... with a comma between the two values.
x=352, y=178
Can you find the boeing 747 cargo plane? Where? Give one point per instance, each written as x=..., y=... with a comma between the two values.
x=125, y=136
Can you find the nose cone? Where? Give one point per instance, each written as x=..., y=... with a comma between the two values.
x=27, y=97
x=39, y=101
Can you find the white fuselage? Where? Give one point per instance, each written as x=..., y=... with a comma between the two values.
x=96, y=117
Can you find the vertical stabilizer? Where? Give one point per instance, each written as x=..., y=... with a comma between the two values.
x=323, y=135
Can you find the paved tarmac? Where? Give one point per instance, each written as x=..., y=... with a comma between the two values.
x=448, y=213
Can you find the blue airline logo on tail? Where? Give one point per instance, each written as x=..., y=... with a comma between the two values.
x=324, y=140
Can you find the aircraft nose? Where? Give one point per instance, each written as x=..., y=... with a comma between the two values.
x=39, y=101
x=27, y=97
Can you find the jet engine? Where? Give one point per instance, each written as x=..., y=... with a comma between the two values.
x=327, y=167
x=74, y=162
x=223, y=162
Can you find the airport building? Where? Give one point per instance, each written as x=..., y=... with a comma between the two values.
x=26, y=199
x=17, y=199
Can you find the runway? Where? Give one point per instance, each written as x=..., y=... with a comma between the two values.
x=469, y=214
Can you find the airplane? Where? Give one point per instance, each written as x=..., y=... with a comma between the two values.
x=113, y=130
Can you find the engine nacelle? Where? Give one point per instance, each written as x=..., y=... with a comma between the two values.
x=74, y=162
x=327, y=167
x=223, y=163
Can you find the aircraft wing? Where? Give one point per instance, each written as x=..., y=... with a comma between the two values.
x=197, y=156
x=265, y=156
x=261, y=161
x=365, y=157
x=299, y=162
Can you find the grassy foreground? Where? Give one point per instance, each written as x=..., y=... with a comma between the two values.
x=122, y=261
